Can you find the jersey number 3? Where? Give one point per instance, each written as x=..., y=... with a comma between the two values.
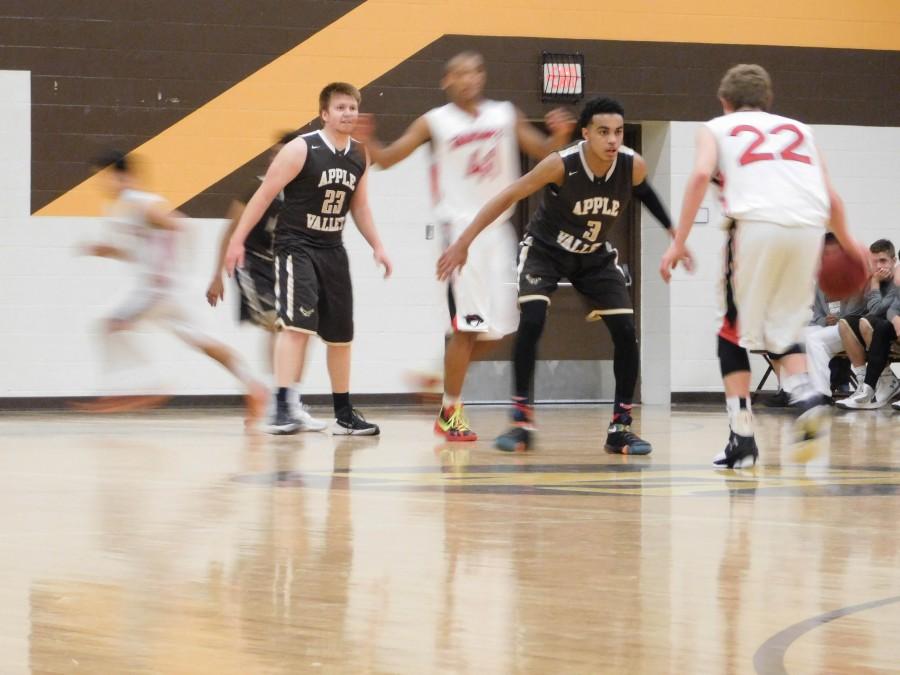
x=787, y=153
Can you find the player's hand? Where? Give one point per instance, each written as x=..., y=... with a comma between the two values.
x=364, y=131
x=216, y=291
x=676, y=253
x=382, y=260
x=831, y=320
x=560, y=123
x=234, y=257
x=453, y=259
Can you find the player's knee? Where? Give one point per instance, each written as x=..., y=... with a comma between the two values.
x=621, y=328
x=533, y=315
x=732, y=358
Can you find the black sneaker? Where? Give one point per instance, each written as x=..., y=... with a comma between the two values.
x=780, y=399
x=283, y=421
x=354, y=424
x=620, y=440
x=740, y=453
x=516, y=439
x=812, y=422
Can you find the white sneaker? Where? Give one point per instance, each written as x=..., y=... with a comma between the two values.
x=305, y=419
x=864, y=399
x=887, y=386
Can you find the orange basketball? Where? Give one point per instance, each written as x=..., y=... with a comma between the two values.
x=841, y=275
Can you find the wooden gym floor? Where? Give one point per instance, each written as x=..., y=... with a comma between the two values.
x=171, y=542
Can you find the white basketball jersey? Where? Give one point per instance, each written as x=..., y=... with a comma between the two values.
x=154, y=249
x=770, y=169
x=473, y=158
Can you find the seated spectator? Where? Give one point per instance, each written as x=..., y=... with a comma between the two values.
x=874, y=334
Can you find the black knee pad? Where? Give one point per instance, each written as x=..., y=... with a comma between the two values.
x=795, y=349
x=732, y=358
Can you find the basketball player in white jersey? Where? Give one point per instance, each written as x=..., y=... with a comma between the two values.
x=475, y=146
x=779, y=200
x=157, y=230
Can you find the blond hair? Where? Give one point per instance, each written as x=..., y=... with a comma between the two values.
x=746, y=85
x=337, y=88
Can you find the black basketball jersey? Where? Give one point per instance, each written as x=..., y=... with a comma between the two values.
x=317, y=201
x=260, y=240
x=573, y=215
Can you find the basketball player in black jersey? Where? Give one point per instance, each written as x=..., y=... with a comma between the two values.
x=256, y=280
x=586, y=189
x=323, y=177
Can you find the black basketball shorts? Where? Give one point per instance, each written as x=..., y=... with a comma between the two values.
x=313, y=293
x=596, y=276
x=256, y=283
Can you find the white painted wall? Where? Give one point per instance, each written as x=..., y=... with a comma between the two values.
x=51, y=299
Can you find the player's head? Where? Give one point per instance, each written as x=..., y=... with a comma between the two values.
x=464, y=78
x=339, y=107
x=281, y=140
x=602, y=124
x=883, y=254
x=117, y=168
x=745, y=86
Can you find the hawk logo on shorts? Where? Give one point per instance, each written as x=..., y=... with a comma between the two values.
x=474, y=320
x=306, y=312
x=534, y=281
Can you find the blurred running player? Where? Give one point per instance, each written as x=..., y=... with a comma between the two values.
x=157, y=231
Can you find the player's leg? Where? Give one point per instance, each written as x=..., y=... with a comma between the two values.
x=734, y=361
x=795, y=253
x=854, y=346
x=296, y=299
x=336, y=330
x=540, y=270
x=602, y=283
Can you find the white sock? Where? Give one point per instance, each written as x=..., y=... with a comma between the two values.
x=800, y=386
x=860, y=373
x=296, y=390
x=740, y=419
x=449, y=401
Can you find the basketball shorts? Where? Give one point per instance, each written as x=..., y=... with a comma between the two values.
x=482, y=295
x=256, y=284
x=313, y=293
x=596, y=276
x=769, y=284
x=157, y=303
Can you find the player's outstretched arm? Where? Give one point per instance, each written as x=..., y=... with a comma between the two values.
x=837, y=221
x=362, y=216
x=284, y=168
x=216, y=289
x=550, y=170
x=704, y=168
x=561, y=124
x=387, y=155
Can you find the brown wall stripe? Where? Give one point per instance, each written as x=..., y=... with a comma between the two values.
x=155, y=80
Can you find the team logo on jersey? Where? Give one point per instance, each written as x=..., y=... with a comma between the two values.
x=534, y=281
x=595, y=205
x=307, y=312
x=474, y=320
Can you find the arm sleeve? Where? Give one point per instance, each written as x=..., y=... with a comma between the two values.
x=648, y=197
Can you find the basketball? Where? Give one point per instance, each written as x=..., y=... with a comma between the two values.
x=841, y=275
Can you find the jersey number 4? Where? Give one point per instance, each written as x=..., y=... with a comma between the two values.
x=483, y=166
x=334, y=201
x=787, y=153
